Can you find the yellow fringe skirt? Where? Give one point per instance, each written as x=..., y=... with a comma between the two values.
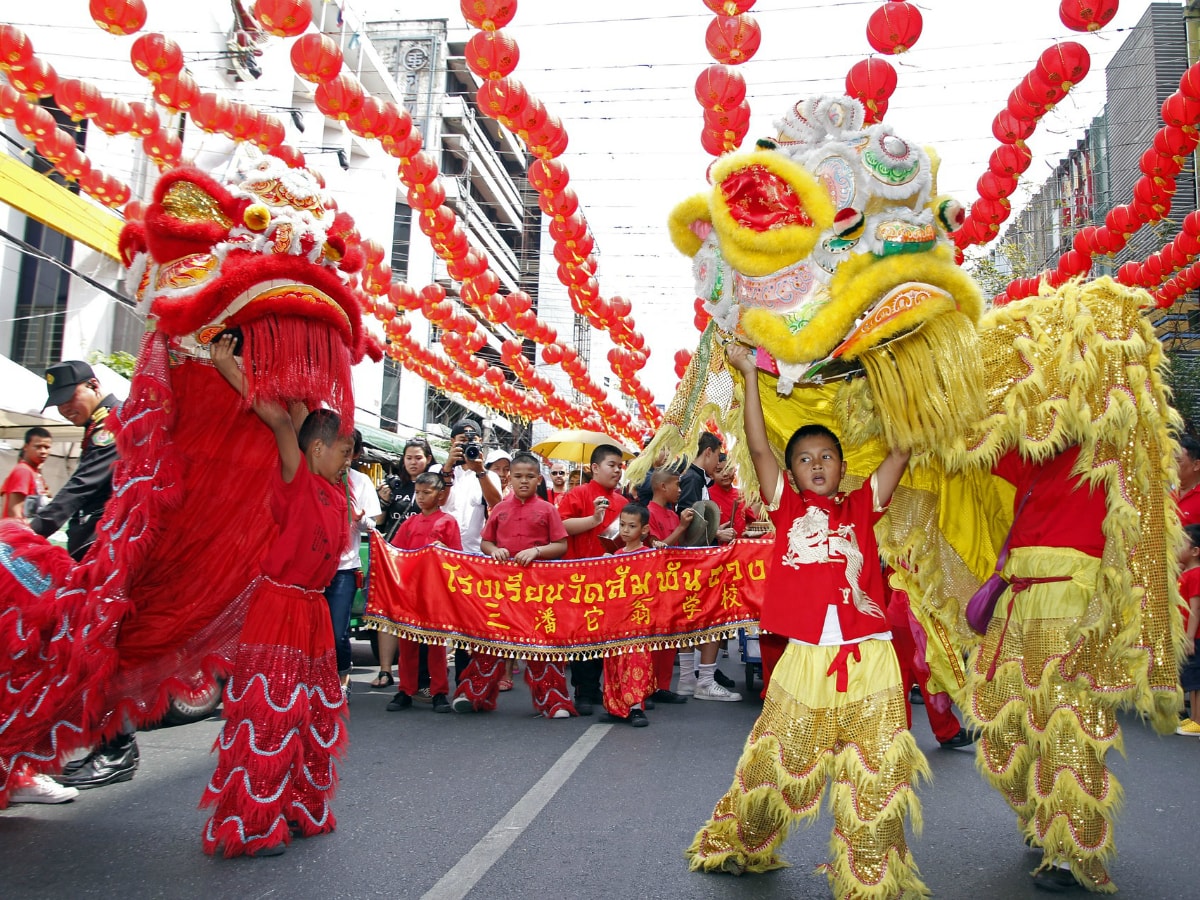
x=810, y=734
x=1047, y=714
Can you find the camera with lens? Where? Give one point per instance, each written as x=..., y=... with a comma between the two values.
x=395, y=485
x=472, y=450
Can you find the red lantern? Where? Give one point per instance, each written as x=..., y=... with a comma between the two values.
x=1024, y=108
x=871, y=81
x=1156, y=165
x=570, y=228
x=996, y=187
x=74, y=165
x=548, y=147
x=561, y=204
x=212, y=113
x=36, y=79
x=1009, y=160
x=720, y=87
x=1087, y=15
x=114, y=116
x=991, y=212
x=76, y=98
x=283, y=18
x=118, y=16
x=488, y=15
x=1009, y=129
x=420, y=169
x=1172, y=141
x=427, y=196
x=1064, y=65
x=270, y=132
x=552, y=354
x=732, y=123
x=492, y=54
x=894, y=27
x=1189, y=83
x=437, y=224
x=145, y=119
x=340, y=97
x=1130, y=274
x=164, y=148
x=177, y=93
x=156, y=56
x=54, y=145
x=1040, y=93
x=34, y=121
x=502, y=99
x=714, y=142
x=16, y=50
x=1181, y=110
x=548, y=176
x=1073, y=263
x=732, y=39
x=1191, y=223
x=374, y=119
x=316, y=57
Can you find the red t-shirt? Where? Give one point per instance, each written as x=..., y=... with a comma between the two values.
x=725, y=499
x=663, y=521
x=1189, y=587
x=514, y=525
x=424, y=529
x=1062, y=511
x=311, y=515
x=23, y=479
x=1189, y=507
x=824, y=547
x=578, y=503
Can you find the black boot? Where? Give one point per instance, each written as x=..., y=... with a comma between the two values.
x=110, y=763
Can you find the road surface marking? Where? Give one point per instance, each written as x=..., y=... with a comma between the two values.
x=467, y=872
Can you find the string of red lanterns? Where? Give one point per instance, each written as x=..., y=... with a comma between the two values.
x=493, y=56
x=891, y=30
x=732, y=38
x=1150, y=203
x=340, y=96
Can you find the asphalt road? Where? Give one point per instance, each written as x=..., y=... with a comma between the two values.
x=505, y=805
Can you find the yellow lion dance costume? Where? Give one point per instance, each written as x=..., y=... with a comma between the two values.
x=827, y=249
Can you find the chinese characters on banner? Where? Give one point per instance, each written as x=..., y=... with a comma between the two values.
x=567, y=610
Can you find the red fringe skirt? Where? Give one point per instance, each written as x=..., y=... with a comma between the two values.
x=284, y=724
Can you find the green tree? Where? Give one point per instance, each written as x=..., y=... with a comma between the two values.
x=120, y=362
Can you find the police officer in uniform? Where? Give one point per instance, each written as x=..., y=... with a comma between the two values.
x=73, y=388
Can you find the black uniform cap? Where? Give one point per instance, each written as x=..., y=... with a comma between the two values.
x=61, y=379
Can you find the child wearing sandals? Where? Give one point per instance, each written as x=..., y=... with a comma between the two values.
x=284, y=708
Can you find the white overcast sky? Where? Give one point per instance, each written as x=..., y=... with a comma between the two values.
x=620, y=74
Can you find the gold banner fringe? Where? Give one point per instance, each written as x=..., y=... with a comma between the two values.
x=556, y=654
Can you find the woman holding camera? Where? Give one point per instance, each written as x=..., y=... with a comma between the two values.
x=397, y=496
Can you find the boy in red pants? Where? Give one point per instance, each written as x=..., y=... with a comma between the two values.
x=284, y=708
x=432, y=526
x=523, y=528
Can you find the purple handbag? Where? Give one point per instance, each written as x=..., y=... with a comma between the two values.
x=982, y=604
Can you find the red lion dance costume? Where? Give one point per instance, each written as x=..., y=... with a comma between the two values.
x=155, y=608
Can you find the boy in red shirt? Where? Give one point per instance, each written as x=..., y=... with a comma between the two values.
x=284, y=687
x=667, y=528
x=835, y=705
x=25, y=480
x=589, y=513
x=432, y=526
x=522, y=528
x=629, y=677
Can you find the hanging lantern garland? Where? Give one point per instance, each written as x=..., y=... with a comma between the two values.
x=732, y=38
x=1058, y=70
x=1169, y=272
x=493, y=56
x=891, y=30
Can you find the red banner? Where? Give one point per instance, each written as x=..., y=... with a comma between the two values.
x=574, y=609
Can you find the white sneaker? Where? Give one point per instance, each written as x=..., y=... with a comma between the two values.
x=687, y=684
x=43, y=790
x=713, y=691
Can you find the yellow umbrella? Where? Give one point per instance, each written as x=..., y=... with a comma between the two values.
x=577, y=446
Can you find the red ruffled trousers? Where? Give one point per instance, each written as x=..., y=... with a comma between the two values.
x=285, y=722
x=480, y=683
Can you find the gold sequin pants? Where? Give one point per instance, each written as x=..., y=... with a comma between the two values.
x=810, y=734
x=1046, y=717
